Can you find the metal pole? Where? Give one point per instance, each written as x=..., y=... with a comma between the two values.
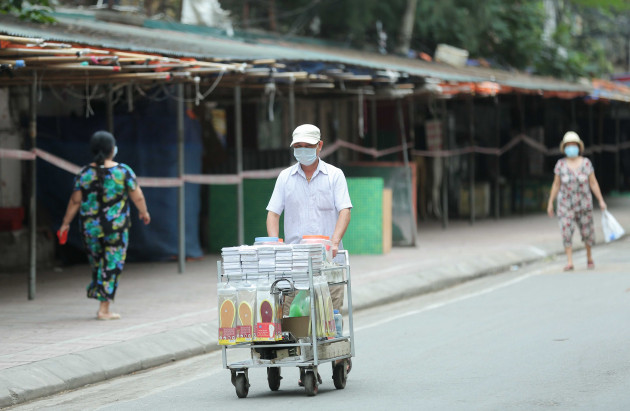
x=471, y=165
x=110, y=108
x=412, y=129
x=373, y=123
x=239, y=163
x=497, y=187
x=32, y=219
x=445, y=165
x=291, y=105
x=617, y=156
x=521, y=111
x=600, y=133
x=401, y=122
x=181, y=257
x=591, y=133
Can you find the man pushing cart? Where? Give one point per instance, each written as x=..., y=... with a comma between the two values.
x=314, y=198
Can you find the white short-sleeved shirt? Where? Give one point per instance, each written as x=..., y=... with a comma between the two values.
x=310, y=208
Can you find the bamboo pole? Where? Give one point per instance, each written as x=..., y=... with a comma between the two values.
x=21, y=40
x=60, y=59
x=49, y=52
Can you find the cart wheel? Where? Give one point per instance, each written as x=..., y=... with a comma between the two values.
x=242, y=386
x=273, y=378
x=310, y=383
x=339, y=375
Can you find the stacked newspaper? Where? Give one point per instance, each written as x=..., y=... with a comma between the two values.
x=231, y=261
x=253, y=262
x=301, y=254
x=266, y=258
x=284, y=258
x=249, y=259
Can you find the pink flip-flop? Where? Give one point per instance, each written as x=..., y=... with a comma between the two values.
x=568, y=268
x=590, y=265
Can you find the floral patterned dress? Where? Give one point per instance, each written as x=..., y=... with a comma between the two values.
x=105, y=222
x=575, y=201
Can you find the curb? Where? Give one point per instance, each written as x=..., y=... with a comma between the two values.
x=54, y=375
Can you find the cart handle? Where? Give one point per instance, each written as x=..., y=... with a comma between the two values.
x=275, y=290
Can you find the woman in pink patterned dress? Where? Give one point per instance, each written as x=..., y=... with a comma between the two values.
x=573, y=182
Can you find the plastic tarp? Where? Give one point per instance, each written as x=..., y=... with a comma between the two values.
x=147, y=142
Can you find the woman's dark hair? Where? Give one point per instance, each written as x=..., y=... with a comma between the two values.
x=102, y=144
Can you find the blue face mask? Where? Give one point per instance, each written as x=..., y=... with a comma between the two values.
x=305, y=156
x=572, y=151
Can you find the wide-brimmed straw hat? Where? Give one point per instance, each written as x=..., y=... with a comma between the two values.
x=306, y=133
x=571, y=137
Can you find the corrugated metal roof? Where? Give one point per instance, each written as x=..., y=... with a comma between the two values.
x=76, y=29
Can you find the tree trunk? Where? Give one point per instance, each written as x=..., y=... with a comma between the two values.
x=273, y=24
x=406, y=30
x=246, y=14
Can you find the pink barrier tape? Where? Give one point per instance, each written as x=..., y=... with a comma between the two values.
x=328, y=150
x=272, y=173
x=57, y=161
x=17, y=154
x=160, y=181
x=212, y=179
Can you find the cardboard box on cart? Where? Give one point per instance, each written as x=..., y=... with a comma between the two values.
x=300, y=327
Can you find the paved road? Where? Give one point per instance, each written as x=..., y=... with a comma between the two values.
x=523, y=340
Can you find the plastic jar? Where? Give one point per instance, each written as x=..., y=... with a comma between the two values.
x=266, y=240
x=324, y=240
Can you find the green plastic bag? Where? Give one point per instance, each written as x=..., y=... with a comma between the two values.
x=301, y=305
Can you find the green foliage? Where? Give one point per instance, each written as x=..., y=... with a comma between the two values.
x=37, y=11
x=618, y=5
x=507, y=31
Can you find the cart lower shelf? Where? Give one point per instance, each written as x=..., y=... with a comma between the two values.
x=336, y=352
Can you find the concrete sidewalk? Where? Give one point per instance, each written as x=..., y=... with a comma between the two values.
x=54, y=343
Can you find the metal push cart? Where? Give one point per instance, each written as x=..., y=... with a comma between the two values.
x=305, y=353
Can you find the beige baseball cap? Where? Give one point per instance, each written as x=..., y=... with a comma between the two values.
x=306, y=133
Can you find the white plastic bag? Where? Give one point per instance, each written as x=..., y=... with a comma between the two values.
x=612, y=229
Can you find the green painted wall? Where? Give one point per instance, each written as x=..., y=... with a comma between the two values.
x=364, y=235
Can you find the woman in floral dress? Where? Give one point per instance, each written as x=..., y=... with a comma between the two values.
x=101, y=195
x=573, y=182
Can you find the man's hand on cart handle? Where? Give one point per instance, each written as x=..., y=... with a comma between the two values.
x=335, y=248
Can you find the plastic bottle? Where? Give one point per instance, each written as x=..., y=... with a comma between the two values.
x=338, y=323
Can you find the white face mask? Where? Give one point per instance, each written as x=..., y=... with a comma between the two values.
x=115, y=151
x=305, y=156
